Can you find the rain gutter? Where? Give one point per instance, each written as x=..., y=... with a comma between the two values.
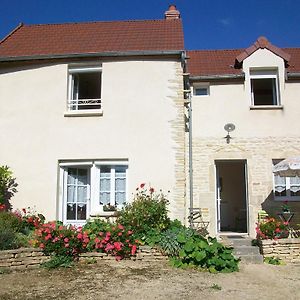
x=217, y=77
x=85, y=55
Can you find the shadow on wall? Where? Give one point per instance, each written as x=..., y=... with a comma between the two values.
x=273, y=207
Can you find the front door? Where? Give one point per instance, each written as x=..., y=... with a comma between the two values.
x=231, y=196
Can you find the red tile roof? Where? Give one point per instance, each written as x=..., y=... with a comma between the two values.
x=93, y=37
x=221, y=62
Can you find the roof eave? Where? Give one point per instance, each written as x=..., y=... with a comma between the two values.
x=216, y=77
x=95, y=54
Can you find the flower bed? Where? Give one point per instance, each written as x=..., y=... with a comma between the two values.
x=288, y=250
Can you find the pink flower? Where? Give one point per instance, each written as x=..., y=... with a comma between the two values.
x=42, y=246
x=118, y=258
x=120, y=234
x=48, y=237
x=66, y=240
x=129, y=232
x=67, y=245
x=118, y=246
x=86, y=240
x=79, y=236
x=133, y=249
x=121, y=227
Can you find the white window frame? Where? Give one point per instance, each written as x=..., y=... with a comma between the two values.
x=93, y=205
x=288, y=196
x=203, y=85
x=257, y=74
x=72, y=102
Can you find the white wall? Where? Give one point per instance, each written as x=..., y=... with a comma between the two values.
x=138, y=111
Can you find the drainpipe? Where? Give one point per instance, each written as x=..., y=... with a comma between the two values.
x=188, y=103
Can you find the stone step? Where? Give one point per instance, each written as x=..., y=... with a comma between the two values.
x=253, y=259
x=241, y=242
x=246, y=250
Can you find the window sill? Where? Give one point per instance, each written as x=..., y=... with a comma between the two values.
x=84, y=113
x=266, y=107
x=105, y=214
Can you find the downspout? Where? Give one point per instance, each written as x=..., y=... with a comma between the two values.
x=188, y=103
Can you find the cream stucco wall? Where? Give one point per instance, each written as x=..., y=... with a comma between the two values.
x=260, y=136
x=142, y=105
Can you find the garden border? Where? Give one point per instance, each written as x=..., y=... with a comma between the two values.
x=28, y=258
x=288, y=249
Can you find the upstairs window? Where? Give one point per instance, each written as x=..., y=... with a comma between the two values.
x=264, y=87
x=84, y=88
x=201, y=90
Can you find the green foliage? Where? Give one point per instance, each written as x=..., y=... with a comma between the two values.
x=8, y=185
x=57, y=261
x=197, y=251
x=10, y=220
x=8, y=239
x=271, y=229
x=5, y=270
x=147, y=212
x=273, y=260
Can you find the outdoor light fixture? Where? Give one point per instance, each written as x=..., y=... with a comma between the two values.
x=228, y=127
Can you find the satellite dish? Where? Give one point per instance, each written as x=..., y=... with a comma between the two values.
x=229, y=127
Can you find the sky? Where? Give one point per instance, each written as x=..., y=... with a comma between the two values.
x=208, y=24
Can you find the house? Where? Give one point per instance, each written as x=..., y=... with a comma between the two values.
x=245, y=119
x=88, y=111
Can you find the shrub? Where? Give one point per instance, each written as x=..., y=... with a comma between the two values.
x=147, y=212
x=113, y=239
x=271, y=229
x=273, y=260
x=8, y=185
x=8, y=239
x=59, y=240
x=10, y=220
x=197, y=251
x=58, y=261
x=30, y=219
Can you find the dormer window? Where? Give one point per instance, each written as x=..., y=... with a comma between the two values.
x=264, y=87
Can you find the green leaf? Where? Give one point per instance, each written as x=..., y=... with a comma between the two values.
x=189, y=246
x=200, y=255
x=181, y=238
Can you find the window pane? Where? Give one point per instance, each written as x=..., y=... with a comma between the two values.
x=72, y=173
x=71, y=211
x=120, y=198
x=264, y=91
x=295, y=186
x=280, y=185
x=81, y=194
x=71, y=194
x=104, y=198
x=120, y=184
x=81, y=211
x=82, y=176
x=201, y=91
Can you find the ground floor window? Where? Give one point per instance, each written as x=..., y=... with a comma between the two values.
x=87, y=187
x=286, y=188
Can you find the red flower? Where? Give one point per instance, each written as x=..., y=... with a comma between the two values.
x=133, y=249
x=151, y=190
x=24, y=210
x=121, y=227
x=142, y=185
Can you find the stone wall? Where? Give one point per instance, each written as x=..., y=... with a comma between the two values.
x=23, y=258
x=286, y=249
x=26, y=258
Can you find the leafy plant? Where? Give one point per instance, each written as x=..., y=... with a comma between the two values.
x=147, y=212
x=58, y=261
x=273, y=260
x=10, y=220
x=271, y=229
x=216, y=287
x=197, y=251
x=8, y=239
x=8, y=185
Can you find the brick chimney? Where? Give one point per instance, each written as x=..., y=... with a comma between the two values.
x=172, y=13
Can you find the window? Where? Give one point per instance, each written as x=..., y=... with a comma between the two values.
x=88, y=186
x=201, y=90
x=286, y=188
x=264, y=87
x=84, y=88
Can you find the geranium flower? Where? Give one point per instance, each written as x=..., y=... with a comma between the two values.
x=142, y=185
x=133, y=249
x=151, y=190
x=120, y=226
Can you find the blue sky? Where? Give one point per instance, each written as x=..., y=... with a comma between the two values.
x=214, y=24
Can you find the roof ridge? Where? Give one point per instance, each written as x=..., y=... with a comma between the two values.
x=12, y=32
x=95, y=22
x=213, y=50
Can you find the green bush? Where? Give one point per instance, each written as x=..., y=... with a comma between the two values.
x=197, y=251
x=146, y=213
x=8, y=239
x=58, y=261
x=10, y=220
x=8, y=185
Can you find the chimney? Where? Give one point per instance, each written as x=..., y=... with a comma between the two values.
x=172, y=13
